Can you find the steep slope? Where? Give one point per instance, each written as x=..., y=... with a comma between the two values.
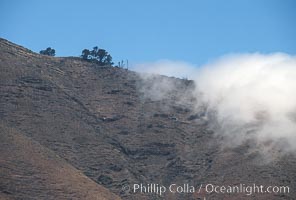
x=30, y=171
x=102, y=122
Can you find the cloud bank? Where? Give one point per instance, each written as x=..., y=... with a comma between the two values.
x=253, y=96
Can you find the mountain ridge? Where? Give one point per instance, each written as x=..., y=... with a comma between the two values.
x=104, y=123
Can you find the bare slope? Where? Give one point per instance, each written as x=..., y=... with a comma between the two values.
x=30, y=171
x=100, y=123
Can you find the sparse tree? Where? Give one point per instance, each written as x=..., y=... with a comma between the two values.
x=94, y=52
x=109, y=59
x=85, y=54
x=100, y=56
x=48, y=51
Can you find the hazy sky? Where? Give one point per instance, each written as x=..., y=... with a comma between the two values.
x=194, y=31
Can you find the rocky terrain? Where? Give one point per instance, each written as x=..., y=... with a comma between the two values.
x=72, y=130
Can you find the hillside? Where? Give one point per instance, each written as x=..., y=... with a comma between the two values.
x=72, y=130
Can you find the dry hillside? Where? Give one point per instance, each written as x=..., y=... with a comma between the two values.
x=72, y=130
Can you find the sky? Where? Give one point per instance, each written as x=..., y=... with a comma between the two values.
x=194, y=31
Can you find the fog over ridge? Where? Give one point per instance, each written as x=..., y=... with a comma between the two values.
x=253, y=96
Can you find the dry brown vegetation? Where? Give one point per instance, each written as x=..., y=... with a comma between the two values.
x=72, y=130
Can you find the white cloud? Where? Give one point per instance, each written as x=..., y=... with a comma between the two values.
x=254, y=95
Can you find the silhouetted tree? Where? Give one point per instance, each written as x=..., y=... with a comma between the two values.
x=108, y=59
x=100, y=56
x=85, y=54
x=49, y=52
x=94, y=52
